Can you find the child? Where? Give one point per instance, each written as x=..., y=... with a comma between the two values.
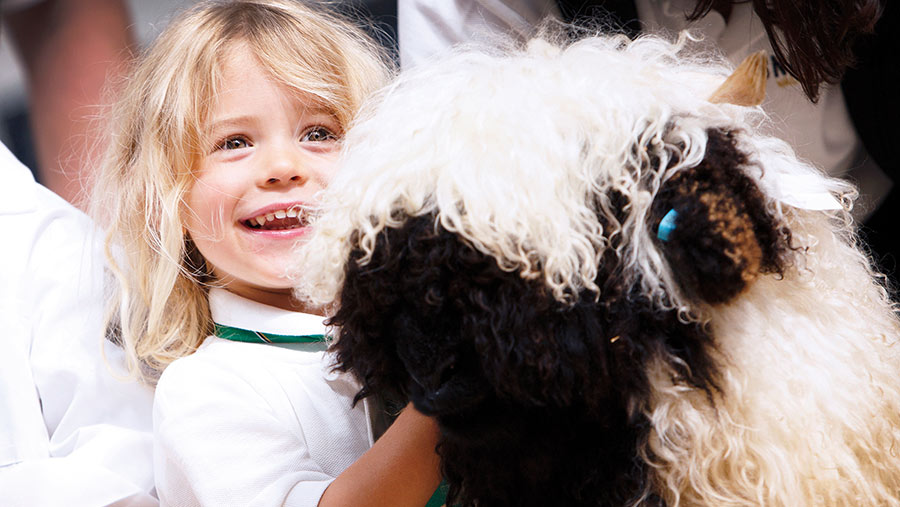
x=229, y=127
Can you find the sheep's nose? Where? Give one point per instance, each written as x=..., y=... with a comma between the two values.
x=434, y=385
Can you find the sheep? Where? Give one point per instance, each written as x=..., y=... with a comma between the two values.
x=591, y=263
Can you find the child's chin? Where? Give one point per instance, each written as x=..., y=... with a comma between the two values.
x=267, y=275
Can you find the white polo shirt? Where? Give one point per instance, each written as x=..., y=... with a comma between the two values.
x=255, y=424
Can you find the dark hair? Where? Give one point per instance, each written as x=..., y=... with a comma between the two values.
x=812, y=39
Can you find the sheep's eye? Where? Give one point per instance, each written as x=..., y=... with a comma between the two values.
x=448, y=372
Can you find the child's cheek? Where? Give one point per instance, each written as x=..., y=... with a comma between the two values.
x=327, y=170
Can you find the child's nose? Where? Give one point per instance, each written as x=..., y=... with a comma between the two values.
x=285, y=179
x=284, y=169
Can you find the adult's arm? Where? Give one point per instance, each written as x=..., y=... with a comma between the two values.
x=68, y=49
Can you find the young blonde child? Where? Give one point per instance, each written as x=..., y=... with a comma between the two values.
x=227, y=129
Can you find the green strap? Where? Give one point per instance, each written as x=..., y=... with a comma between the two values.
x=243, y=335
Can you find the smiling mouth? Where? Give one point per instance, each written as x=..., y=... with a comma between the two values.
x=294, y=217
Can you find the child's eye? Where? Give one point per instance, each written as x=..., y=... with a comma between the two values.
x=318, y=134
x=234, y=143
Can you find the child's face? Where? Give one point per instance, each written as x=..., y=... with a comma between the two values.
x=267, y=153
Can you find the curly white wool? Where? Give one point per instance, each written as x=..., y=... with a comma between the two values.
x=511, y=150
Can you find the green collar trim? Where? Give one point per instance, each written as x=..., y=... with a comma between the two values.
x=243, y=335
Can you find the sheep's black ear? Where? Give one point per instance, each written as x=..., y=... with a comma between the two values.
x=713, y=227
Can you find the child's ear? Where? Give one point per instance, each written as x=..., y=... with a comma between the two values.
x=712, y=225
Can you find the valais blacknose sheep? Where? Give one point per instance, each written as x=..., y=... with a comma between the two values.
x=609, y=286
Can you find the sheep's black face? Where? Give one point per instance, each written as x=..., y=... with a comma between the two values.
x=402, y=320
x=444, y=376
x=521, y=385
x=432, y=320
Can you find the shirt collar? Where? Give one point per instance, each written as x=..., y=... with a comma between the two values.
x=229, y=309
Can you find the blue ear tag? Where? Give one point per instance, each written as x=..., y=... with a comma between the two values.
x=667, y=225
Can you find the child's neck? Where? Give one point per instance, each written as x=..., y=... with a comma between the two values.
x=279, y=298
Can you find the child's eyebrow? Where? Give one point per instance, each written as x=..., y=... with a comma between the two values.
x=242, y=120
x=316, y=110
x=231, y=121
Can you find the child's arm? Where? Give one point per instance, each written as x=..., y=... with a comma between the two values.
x=401, y=469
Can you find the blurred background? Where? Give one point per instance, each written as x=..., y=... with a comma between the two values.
x=148, y=18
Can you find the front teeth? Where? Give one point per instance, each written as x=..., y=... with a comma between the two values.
x=261, y=220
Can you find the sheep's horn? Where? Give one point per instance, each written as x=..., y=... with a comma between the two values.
x=746, y=86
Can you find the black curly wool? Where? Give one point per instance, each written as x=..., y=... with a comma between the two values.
x=532, y=396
